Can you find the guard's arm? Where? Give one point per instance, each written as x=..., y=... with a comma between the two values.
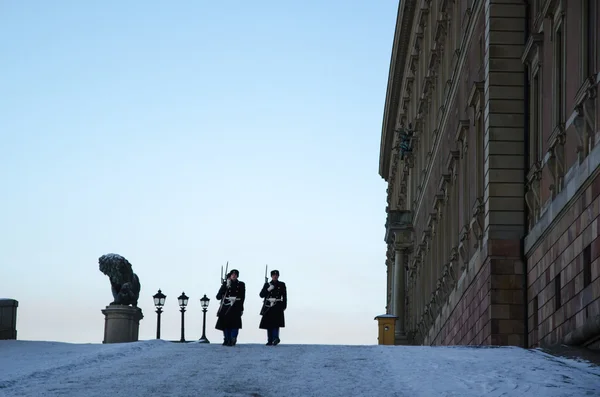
x=263, y=291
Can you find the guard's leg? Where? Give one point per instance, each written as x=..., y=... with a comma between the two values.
x=226, y=336
x=234, y=334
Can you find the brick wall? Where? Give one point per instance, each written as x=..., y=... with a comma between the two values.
x=562, y=253
x=491, y=310
x=469, y=322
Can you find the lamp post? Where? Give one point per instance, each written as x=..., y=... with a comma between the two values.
x=159, y=302
x=183, y=301
x=204, y=302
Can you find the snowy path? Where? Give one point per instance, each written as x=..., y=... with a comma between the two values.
x=170, y=369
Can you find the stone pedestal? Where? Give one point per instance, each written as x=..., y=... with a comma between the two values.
x=121, y=323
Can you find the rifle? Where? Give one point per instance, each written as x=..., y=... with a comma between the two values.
x=223, y=281
x=266, y=279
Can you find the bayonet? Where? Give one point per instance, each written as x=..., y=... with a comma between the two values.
x=266, y=279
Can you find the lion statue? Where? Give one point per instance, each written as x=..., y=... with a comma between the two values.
x=124, y=283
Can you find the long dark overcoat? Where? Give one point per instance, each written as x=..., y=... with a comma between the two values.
x=272, y=311
x=230, y=312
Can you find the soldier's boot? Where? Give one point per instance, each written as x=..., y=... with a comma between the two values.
x=233, y=341
x=276, y=341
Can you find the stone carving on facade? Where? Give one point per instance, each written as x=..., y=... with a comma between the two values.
x=477, y=222
x=556, y=159
x=446, y=280
x=443, y=185
x=421, y=327
x=432, y=312
x=533, y=194
x=416, y=264
x=453, y=266
x=388, y=193
x=461, y=137
x=438, y=296
x=452, y=165
x=423, y=14
x=425, y=240
x=585, y=121
x=463, y=247
x=401, y=200
x=434, y=61
x=441, y=27
x=432, y=221
x=476, y=99
x=404, y=141
x=409, y=87
x=438, y=207
x=398, y=226
x=405, y=103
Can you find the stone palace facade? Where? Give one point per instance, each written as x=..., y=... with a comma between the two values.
x=490, y=151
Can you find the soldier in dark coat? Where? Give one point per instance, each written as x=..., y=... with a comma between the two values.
x=274, y=305
x=232, y=295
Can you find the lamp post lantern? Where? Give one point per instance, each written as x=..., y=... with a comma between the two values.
x=159, y=302
x=183, y=301
x=204, y=302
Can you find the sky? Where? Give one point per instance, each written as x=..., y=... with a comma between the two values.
x=186, y=134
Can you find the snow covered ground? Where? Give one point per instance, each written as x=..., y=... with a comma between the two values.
x=149, y=368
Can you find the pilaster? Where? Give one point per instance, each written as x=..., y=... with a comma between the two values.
x=504, y=168
x=504, y=120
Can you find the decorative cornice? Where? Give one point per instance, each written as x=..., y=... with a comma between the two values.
x=461, y=136
x=398, y=221
x=549, y=8
x=453, y=156
x=441, y=28
x=534, y=44
x=404, y=22
x=443, y=183
x=477, y=92
x=433, y=61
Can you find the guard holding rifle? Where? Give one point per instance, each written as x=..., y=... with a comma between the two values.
x=274, y=305
x=232, y=295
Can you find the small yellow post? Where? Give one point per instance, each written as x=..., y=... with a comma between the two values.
x=387, y=328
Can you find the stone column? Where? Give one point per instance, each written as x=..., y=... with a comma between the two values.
x=402, y=242
x=399, y=290
x=399, y=235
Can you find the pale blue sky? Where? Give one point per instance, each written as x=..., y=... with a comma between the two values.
x=184, y=134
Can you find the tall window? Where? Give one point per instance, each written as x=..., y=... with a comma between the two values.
x=587, y=266
x=477, y=103
x=535, y=312
x=557, y=289
x=588, y=42
x=480, y=150
x=559, y=78
x=536, y=145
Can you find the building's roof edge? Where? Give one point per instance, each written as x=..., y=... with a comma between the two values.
x=406, y=11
